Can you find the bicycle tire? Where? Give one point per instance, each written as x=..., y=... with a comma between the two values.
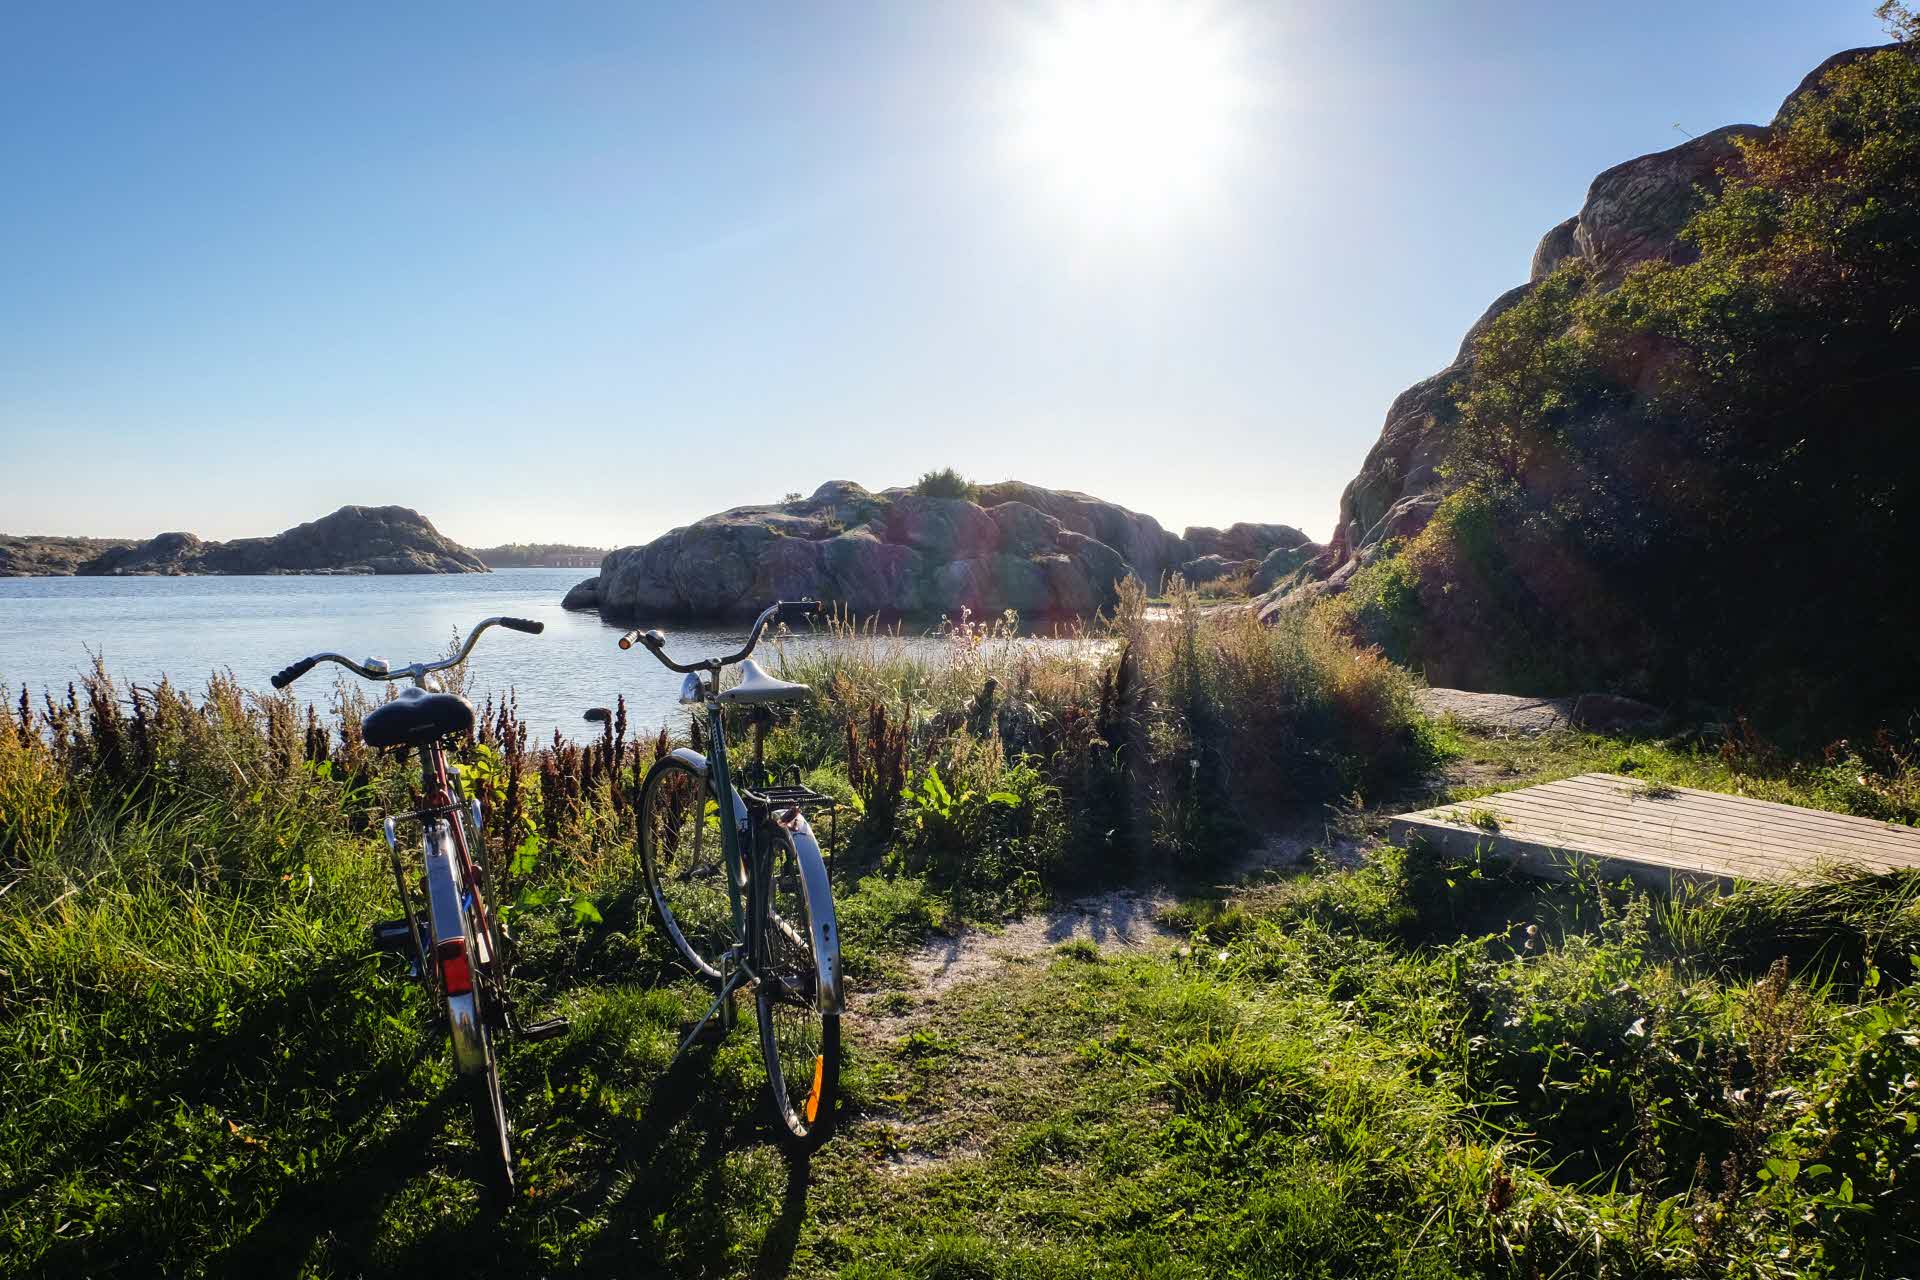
x=680, y=856
x=799, y=1039
x=492, y=1131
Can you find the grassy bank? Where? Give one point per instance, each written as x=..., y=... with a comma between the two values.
x=1363, y=1070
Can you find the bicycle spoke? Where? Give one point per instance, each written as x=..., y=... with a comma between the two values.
x=680, y=855
x=800, y=1043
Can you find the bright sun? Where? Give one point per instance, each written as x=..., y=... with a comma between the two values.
x=1128, y=110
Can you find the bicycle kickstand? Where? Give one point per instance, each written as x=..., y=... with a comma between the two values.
x=731, y=980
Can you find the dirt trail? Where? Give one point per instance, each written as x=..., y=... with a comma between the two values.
x=1124, y=919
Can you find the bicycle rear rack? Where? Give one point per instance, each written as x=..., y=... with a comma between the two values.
x=791, y=793
x=794, y=797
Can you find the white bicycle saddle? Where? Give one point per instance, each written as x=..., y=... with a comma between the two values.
x=756, y=686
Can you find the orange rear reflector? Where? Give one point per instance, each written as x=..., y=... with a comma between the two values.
x=813, y=1098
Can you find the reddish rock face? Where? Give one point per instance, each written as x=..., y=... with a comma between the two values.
x=1632, y=214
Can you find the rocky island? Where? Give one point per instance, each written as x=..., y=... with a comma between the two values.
x=353, y=540
x=1044, y=552
x=35, y=556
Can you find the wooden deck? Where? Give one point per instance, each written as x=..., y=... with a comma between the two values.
x=1660, y=836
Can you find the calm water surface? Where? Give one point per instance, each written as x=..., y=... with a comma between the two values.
x=187, y=628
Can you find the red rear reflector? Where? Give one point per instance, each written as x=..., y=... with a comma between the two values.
x=455, y=975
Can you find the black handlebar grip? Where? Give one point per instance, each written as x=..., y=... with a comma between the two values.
x=527, y=625
x=797, y=610
x=289, y=674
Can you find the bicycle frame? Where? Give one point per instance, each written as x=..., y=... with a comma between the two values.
x=742, y=848
x=449, y=877
x=743, y=853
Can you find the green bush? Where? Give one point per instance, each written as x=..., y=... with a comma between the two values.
x=946, y=483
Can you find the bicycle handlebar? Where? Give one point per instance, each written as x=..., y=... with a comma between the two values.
x=291, y=673
x=413, y=671
x=787, y=611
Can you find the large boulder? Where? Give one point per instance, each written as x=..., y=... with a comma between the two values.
x=1204, y=569
x=1283, y=562
x=1024, y=530
x=947, y=527
x=878, y=576
x=1554, y=248
x=1041, y=552
x=1149, y=550
x=1241, y=541
x=162, y=554
x=1634, y=211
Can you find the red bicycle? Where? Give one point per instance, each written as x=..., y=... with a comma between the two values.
x=457, y=943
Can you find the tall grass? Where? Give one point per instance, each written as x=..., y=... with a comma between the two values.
x=1157, y=739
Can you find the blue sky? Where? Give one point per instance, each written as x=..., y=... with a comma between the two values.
x=587, y=271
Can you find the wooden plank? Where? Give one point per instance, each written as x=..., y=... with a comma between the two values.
x=1727, y=812
x=1671, y=831
x=1752, y=808
x=1601, y=842
x=1675, y=815
x=1579, y=830
x=1741, y=811
x=1549, y=862
x=1683, y=859
x=1690, y=835
x=1673, y=825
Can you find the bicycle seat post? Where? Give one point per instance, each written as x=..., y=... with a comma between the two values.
x=762, y=721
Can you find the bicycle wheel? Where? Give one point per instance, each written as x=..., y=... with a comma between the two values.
x=800, y=1042
x=463, y=957
x=479, y=1065
x=681, y=855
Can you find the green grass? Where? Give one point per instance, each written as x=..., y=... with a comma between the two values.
x=1408, y=1067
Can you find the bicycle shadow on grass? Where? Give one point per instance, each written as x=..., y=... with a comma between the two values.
x=777, y=1247
x=670, y=1185
x=344, y=1206
x=133, y=1144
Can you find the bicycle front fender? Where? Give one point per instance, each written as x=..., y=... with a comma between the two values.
x=830, y=996
x=698, y=763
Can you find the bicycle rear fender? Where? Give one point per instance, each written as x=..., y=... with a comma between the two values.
x=813, y=876
x=831, y=997
x=449, y=928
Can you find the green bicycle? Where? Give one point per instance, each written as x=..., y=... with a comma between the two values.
x=741, y=889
